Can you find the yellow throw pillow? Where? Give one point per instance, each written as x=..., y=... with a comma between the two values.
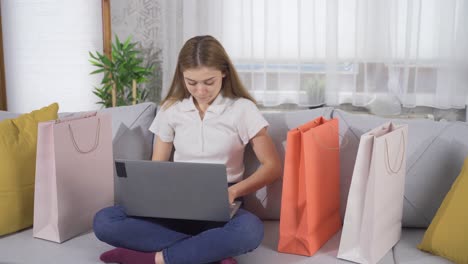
x=18, y=140
x=447, y=235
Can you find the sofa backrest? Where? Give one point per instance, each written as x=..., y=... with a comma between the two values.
x=266, y=202
x=130, y=135
x=435, y=154
x=7, y=115
x=434, y=158
x=131, y=138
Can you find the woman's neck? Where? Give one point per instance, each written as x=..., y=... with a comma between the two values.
x=201, y=109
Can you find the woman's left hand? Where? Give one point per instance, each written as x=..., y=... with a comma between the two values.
x=232, y=195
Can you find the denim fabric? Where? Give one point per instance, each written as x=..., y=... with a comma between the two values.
x=182, y=241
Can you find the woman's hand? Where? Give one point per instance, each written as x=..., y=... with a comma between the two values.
x=232, y=194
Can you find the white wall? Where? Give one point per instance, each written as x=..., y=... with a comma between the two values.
x=46, y=44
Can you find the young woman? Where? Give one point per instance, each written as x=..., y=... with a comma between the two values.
x=207, y=116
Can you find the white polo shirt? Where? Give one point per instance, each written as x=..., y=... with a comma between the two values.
x=220, y=137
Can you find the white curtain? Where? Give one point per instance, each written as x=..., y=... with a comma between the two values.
x=313, y=52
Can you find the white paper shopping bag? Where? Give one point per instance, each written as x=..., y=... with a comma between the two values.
x=372, y=222
x=74, y=175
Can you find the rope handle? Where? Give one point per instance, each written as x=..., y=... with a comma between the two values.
x=387, y=156
x=75, y=117
x=96, y=141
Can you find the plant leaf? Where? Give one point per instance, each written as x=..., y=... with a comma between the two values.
x=98, y=71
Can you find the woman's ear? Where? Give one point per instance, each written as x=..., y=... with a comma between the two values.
x=225, y=72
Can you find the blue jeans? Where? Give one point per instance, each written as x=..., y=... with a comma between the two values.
x=182, y=241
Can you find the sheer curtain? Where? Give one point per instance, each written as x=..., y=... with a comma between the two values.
x=313, y=52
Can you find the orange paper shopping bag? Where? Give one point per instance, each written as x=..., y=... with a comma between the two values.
x=311, y=188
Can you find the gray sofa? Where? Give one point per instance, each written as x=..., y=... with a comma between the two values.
x=435, y=155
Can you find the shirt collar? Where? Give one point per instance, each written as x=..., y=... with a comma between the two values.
x=217, y=106
x=188, y=105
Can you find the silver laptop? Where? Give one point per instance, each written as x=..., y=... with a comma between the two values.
x=178, y=190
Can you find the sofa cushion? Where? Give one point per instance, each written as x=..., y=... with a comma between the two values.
x=83, y=249
x=86, y=248
x=130, y=135
x=447, y=234
x=18, y=140
x=266, y=202
x=435, y=153
x=266, y=253
x=405, y=251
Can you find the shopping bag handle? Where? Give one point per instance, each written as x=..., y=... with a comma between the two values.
x=75, y=117
x=327, y=147
x=96, y=141
x=387, y=156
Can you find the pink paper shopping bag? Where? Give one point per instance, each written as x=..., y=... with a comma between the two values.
x=372, y=222
x=74, y=175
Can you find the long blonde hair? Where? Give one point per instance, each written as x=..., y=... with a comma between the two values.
x=204, y=51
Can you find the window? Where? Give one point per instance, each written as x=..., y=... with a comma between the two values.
x=311, y=52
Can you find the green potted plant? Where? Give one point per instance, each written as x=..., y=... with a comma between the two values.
x=123, y=71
